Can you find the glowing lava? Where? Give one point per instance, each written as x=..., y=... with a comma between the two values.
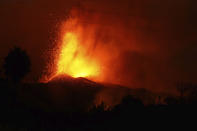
x=73, y=60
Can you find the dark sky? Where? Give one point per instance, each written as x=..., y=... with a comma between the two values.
x=161, y=33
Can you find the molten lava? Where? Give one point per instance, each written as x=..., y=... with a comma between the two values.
x=84, y=48
x=73, y=60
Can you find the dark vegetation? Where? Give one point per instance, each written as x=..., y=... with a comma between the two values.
x=68, y=104
x=16, y=65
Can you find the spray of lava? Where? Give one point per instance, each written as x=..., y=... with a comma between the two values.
x=73, y=59
x=75, y=55
x=88, y=46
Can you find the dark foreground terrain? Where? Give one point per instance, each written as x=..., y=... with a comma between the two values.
x=69, y=104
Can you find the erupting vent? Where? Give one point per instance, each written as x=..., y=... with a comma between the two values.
x=73, y=59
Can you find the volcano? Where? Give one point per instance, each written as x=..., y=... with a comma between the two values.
x=71, y=81
x=87, y=92
x=69, y=93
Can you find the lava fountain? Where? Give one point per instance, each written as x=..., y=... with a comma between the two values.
x=87, y=45
x=75, y=55
x=72, y=59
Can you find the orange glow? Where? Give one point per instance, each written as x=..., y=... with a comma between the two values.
x=72, y=59
x=91, y=46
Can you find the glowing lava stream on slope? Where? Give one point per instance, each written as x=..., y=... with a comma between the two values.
x=73, y=60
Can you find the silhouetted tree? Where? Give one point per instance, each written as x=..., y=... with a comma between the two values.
x=129, y=104
x=182, y=88
x=16, y=64
x=130, y=100
x=171, y=100
x=99, y=109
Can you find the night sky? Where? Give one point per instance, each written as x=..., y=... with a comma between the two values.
x=156, y=40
